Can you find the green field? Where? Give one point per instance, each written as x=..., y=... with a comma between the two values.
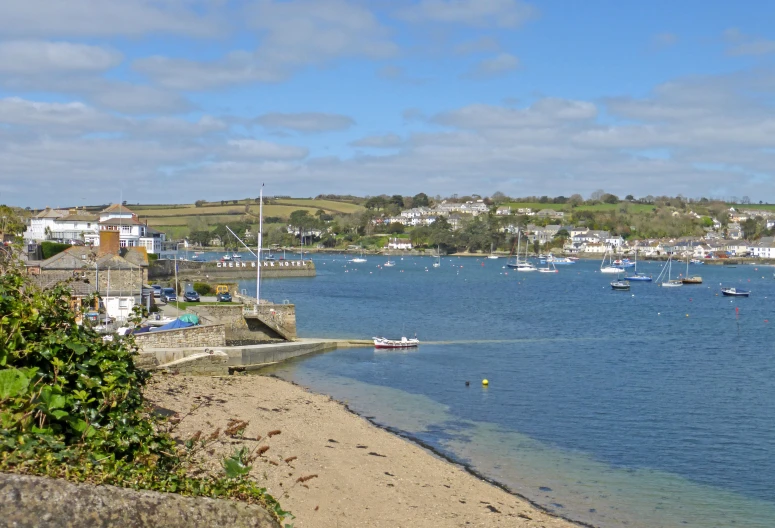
x=535, y=206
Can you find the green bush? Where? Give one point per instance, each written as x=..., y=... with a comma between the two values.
x=52, y=248
x=71, y=404
x=202, y=288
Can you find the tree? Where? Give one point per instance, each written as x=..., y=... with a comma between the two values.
x=629, y=198
x=745, y=200
x=597, y=195
x=395, y=228
x=200, y=238
x=12, y=220
x=397, y=200
x=575, y=200
x=610, y=198
x=499, y=198
x=199, y=203
x=420, y=200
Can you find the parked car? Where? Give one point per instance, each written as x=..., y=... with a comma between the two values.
x=224, y=297
x=191, y=296
x=168, y=295
x=156, y=290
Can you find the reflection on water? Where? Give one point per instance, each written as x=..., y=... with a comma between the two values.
x=650, y=407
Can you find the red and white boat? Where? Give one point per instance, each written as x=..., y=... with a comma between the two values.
x=383, y=342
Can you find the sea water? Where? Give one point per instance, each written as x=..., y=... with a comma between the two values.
x=653, y=407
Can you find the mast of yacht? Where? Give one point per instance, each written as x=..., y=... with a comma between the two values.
x=260, y=243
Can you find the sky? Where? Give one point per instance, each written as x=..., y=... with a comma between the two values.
x=169, y=101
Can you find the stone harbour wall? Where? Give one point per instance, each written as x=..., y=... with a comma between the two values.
x=27, y=501
x=213, y=335
x=214, y=271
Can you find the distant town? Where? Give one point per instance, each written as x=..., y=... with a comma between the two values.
x=656, y=226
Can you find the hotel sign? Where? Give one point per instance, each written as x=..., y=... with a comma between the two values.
x=267, y=264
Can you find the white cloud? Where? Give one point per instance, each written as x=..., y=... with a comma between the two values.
x=479, y=45
x=305, y=121
x=482, y=13
x=385, y=141
x=255, y=148
x=35, y=57
x=739, y=43
x=56, y=18
x=494, y=66
x=292, y=35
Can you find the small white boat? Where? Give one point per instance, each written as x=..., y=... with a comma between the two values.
x=735, y=292
x=226, y=258
x=357, y=260
x=493, y=256
x=437, y=264
x=389, y=264
x=236, y=256
x=383, y=342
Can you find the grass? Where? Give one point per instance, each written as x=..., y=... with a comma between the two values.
x=535, y=206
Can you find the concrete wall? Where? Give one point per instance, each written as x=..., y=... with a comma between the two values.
x=201, y=360
x=192, y=337
x=43, y=503
x=241, y=330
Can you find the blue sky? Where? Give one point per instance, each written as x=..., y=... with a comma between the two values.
x=177, y=100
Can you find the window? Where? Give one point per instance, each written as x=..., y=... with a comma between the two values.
x=123, y=304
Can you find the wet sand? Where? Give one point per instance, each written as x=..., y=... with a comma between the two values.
x=332, y=468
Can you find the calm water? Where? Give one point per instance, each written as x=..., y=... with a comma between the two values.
x=652, y=407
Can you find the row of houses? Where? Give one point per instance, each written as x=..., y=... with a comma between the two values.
x=114, y=272
x=77, y=226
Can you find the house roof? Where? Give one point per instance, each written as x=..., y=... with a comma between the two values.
x=80, y=257
x=50, y=213
x=121, y=221
x=117, y=208
x=136, y=255
x=79, y=217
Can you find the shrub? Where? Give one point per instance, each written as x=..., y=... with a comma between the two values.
x=52, y=248
x=71, y=404
x=202, y=288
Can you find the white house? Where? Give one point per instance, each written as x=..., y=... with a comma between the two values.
x=399, y=243
x=64, y=225
x=132, y=232
x=503, y=211
x=764, y=249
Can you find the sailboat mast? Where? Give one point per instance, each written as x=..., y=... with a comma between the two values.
x=260, y=243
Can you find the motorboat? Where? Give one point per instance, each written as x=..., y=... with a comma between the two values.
x=557, y=261
x=236, y=256
x=383, y=342
x=695, y=279
x=389, y=264
x=735, y=292
x=523, y=266
x=623, y=263
x=696, y=261
x=638, y=277
x=226, y=258
x=620, y=285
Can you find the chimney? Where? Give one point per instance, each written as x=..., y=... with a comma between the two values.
x=110, y=243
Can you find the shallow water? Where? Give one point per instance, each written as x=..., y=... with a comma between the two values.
x=652, y=407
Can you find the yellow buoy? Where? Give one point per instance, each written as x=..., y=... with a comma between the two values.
x=485, y=382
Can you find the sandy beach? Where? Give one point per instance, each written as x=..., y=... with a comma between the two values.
x=332, y=468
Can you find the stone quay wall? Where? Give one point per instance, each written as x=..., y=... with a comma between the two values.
x=204, y=271
x=192, y=337
x=241, y=330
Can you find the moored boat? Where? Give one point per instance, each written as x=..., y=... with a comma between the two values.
x=620, y=285
x=735, y=292
x=383, y=342
x=696, y=279
x=389, y=264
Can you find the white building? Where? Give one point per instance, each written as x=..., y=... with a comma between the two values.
x=764, y=249
x=399, y=243
x=63, y=225
x=132, y=232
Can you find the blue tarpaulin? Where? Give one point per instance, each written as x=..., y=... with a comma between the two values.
x=174, y=325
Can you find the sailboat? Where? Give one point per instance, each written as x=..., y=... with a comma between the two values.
x=610, y=268
x=521, y=265
x=491, y=256
x=437, y=264
x=693, y=279
x=638, y=277
x=620, y=284
x=668, y=282
x=550, y=267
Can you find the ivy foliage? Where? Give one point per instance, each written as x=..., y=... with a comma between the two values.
x=71, y=405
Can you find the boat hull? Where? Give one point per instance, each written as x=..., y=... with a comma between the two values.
x=735, y=293
x=381, y=342
x=639, y=278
